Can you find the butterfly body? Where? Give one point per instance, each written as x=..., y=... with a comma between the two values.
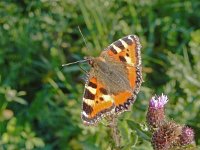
x=113, y=81
x=112, y=74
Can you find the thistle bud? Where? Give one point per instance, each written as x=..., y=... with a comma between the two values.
x=156, y=113
x=187, y=136
x=165, y=137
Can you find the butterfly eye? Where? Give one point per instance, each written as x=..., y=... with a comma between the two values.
x=91, y=62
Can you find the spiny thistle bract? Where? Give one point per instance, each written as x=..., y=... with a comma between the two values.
x=166, y=136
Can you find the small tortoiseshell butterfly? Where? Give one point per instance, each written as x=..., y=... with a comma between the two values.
x=113, y=81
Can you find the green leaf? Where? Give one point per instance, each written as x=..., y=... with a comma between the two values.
x=140, y=132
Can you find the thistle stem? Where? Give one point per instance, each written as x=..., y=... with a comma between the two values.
x=114, y=130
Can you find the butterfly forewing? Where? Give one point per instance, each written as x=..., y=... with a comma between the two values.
x=97, y=103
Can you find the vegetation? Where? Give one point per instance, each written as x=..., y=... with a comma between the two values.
x=40, y=102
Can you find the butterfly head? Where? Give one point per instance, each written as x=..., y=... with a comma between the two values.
x=90, y=60
x=95, y=61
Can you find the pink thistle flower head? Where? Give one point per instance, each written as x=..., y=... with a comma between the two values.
x=158, y=101
x=187, y=136
x=156, y=112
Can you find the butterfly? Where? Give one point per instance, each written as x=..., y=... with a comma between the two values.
x=113, y=81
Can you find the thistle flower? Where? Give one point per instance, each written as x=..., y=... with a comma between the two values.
x=187, y=136
x=166, y=134
x=165, y=137
x=158, y=101
x=156, y=113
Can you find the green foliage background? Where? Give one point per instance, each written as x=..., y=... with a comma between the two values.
x=40, y=102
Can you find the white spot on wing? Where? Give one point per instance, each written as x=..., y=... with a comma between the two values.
x=129, y=37
x=128, y=60
x=107, y=98
x=116, y=48
x=84, y=114
x=89, y=101
x=124, y=43
x=92, y=90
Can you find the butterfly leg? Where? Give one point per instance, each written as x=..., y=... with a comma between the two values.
x=83, y=69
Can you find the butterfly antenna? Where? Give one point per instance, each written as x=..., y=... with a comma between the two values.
x=83, y=38
x=76, y=62
x=80, y=61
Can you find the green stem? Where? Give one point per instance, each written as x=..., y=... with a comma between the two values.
x=114, y=130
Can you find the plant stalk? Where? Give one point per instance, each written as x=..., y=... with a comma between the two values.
x=114, y=130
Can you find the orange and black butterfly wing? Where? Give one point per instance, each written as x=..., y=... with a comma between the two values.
x=127, y=51
x=97, y=103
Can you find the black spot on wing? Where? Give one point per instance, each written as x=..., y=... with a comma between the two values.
x=88, y=95
x=103, y=91
x=101, y=99
x=127, y=40
x=113, y=50
x=119, y=44
x=87, y=108
x=122, y=58
x=93, y=85
x=132, y=37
